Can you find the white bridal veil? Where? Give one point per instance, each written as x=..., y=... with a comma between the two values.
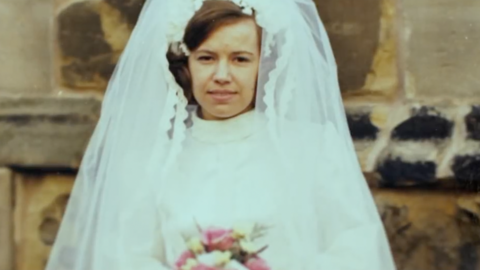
x=143, y=126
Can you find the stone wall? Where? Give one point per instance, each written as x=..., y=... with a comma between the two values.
x=407, y=70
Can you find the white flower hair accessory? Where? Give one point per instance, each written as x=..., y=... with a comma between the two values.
x=179, y=15
x=184, y=49
x=246, y=8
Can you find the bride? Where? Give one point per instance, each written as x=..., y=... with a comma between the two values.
x=222, y=113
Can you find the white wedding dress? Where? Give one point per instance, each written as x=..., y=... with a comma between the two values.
x=146, y=178
x=217, y=182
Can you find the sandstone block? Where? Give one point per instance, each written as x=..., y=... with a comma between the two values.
x=431, y=231
x=47, y=131
x=6, y=220
x=25, y=58
x=440, y=39
x=40, y=204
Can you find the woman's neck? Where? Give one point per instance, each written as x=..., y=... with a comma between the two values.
x=225, y=130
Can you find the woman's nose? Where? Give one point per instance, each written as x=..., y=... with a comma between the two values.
x=222, y=73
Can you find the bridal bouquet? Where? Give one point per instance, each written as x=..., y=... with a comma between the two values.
x=229, y=249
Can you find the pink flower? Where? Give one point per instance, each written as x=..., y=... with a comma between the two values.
x=183, y=258
x=203, y=267
x=218, y=239
x=257, y=263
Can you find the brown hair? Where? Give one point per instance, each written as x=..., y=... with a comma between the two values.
x=211, y=16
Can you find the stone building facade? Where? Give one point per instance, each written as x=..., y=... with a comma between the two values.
x=409, y=73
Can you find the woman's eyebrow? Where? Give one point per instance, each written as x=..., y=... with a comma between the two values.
x=242, y=52
x=205, y=51
x=234, y=53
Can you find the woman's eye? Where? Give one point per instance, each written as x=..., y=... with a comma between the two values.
x=205, y=58
x=242, y=59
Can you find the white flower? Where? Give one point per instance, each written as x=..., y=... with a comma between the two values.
x=215, y=258
x=223, y=258
x=195, y=245
x=248, y=246
x=238, y=2
x=241, y=231
x=189, y=264
x=207, y=259
x=235, y=265
x=248, y=11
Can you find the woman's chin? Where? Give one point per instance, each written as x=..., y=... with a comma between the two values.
x=221, y=112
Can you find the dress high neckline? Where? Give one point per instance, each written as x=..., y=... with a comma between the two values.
x=223, y=131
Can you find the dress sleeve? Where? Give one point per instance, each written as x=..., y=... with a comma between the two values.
x=141, y=244
x=351, y=231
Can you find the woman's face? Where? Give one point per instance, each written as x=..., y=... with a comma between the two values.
x=224, y=70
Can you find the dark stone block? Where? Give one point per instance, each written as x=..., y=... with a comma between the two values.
x=361, y=128
x=472, y=121
x=468, y=257
x=354, y=34
x=467, y=171
x=80, y=33
x=395, y=172
x=425, y=124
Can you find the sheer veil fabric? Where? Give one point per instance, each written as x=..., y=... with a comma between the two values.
x=328, y=219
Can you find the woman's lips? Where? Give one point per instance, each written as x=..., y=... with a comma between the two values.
x=221, y=95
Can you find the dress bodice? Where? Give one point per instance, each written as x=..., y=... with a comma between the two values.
x=219, y=182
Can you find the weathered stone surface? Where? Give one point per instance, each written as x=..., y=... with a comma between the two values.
x=431, y=231
x=472, y=122
x=6, y=220
x=363, y=41
x=129, y=9
x=91, y=36
x=426, y=123
x=361, y=127
x=397, y=172
x=410, y=144
x=467, y=171
x=426, y=230
x=418, y=146
x=46, y=132
x=25, y=58
x=366, y=124
x=440, y=39
x=40, y=205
